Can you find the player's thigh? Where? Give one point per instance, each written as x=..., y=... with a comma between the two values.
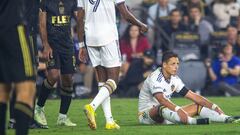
x=4, y=93
x=26, y=92
x=54, y=62
x=191, y=109
x=16, y=56
x=94, y=55
x=67, y=62
x=111, y=55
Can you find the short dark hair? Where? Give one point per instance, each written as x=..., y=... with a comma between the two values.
x=195, y=6
x=176, y=10
x=167, y=55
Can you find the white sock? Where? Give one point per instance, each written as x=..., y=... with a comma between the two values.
x=173, y=117
x=212, y=115
x=103, y=93
x=106, y=106
x=62, y=115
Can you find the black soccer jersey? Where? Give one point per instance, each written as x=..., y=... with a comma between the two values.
x=59, y=14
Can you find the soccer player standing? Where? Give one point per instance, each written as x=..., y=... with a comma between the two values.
x=103, y=49
x=155, y=106
x=55, y=31
x=17, y=63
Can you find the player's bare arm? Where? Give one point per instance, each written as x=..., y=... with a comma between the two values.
x=130, y=18
x=167, y=103
x=47, y=51
x=203, y=101
x=80, y=26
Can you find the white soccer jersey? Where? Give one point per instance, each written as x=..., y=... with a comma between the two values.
x=156, y=83
x=100, y=21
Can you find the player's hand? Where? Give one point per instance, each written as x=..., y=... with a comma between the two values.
x=219, y=110
x=47, y=52
x=183, y=116
x=143, y=28
x=83, y=55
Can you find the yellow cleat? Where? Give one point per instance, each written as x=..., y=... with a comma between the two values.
x=90, y=114
x=113, y=125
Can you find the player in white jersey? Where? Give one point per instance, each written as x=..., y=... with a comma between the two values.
x=155, y=105
x=103, y=50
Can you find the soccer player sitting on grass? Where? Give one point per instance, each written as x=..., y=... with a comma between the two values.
x=155, y=106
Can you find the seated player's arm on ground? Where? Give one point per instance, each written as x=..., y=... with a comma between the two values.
x=198, y=99
x=164, y=101
x=128, y=15
x=234, y=71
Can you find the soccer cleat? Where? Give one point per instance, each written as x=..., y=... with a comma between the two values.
x=113, y=125
x=233, y=119
x=11, y=124
x=35, y=125
x=202, y=121
x=90, y=114
x=64, y=121
x=40, y=116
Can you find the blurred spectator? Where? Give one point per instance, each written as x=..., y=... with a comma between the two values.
x=223, y=11
x=160, y=10
x=224, y=73
x=237, y=47
x=158, y=13
x=200, y=25
x=174, y=24
x=232, y=35
x=133, y=43
x=138, y=71
x=185, y=6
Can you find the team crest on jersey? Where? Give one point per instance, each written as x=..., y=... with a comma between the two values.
x=173, y=88
x=61, y=7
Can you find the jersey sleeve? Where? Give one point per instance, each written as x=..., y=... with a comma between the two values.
x=179, y=84
x=43, y=6
x=155, y=86
x=119, y=1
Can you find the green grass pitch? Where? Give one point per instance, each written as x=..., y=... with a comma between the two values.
x=125, y=112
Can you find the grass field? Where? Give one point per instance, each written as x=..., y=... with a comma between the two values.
x=125, y=112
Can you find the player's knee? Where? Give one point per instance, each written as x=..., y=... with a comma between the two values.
x=66, y=91
x=110, y=85
x=48, y=84
x=67, y=82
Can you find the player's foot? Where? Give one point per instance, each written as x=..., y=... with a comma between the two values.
x=202, y=121
x=113, y=125
x=233, y=119
x=35, y=125
x=65, y=121
x=40, y=115
x=90, y=114
x=11, y=124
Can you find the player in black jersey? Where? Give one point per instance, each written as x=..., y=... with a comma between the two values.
x=16, y=63
x=55, y=31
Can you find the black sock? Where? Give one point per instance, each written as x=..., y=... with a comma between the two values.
x=23, y=115
x=11, y=106
x=65, y=103
x=44, y=93
x=66, y=98
x=3, y=109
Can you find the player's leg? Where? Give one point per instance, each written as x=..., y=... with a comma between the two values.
x=67, y=69
x=24, y=105
x=106, y=105
x=4, y=97
x=53, y=74
x=160, y=114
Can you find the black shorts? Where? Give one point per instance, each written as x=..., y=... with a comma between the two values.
x=64, y=61
x=16, y=56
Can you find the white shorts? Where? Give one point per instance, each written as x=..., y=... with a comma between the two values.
x=144, y=118
x=107, y=56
